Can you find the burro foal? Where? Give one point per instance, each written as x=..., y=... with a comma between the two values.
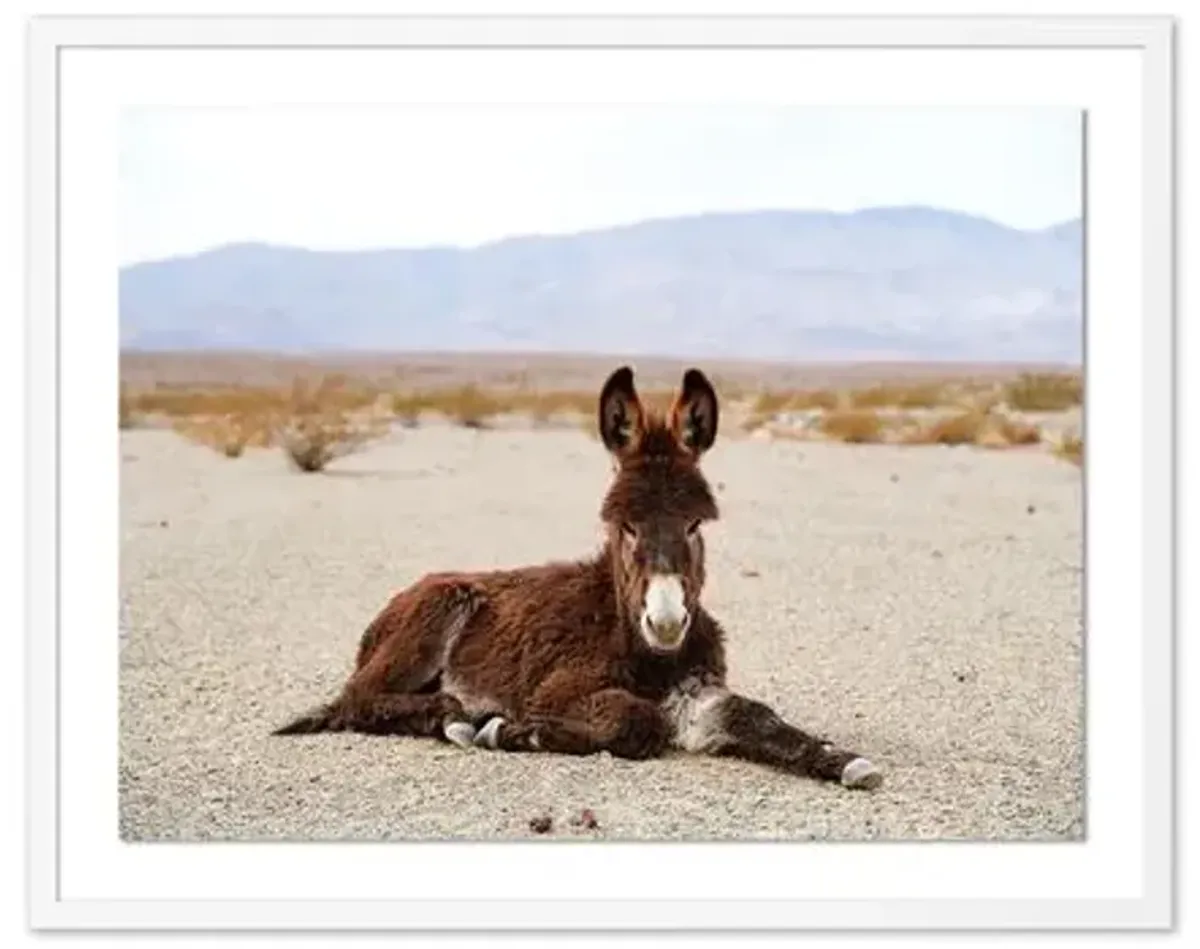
x=613, y=653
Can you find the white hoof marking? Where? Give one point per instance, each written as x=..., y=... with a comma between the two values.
x=860, y=773
x=460, y=733
x=489, y=735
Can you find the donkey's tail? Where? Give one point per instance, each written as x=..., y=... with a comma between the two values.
x=316, y=720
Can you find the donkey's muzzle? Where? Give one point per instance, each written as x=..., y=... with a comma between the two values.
x=669, y=632
x=665, y=618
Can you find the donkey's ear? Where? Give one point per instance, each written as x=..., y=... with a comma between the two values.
x=694, y=413
x=620, y=412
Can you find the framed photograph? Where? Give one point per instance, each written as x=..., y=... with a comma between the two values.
x=633, y=473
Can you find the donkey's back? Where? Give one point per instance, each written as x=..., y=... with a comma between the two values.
x=492, y=638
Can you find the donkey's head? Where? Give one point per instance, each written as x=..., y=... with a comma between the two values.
x=657, y=503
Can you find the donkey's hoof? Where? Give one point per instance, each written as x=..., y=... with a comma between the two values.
x=460, y=733
x=489, y=736
x=860, y=773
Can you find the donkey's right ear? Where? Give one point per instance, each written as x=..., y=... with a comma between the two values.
x=620, y=413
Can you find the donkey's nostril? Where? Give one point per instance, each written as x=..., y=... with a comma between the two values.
x=669, y=629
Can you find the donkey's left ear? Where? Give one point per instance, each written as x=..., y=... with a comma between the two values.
x=694, y=413
x=621, y=417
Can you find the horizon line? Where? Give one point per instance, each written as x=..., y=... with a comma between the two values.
x=601, y=229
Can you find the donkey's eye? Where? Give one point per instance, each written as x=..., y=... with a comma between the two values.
x=629, y=532
x=693, y=528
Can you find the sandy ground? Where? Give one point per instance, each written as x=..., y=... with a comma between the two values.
x=921, y=605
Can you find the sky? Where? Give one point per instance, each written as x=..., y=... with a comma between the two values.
x=346, y=177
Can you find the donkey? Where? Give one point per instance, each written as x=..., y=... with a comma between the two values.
x=611, y=653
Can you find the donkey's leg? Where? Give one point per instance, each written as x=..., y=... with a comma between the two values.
x=400, y=657
x=387, y=713
x=407, y=643
x=709, y=719
x=611, y=720
x=430, y=716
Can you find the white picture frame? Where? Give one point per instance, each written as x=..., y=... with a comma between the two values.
x=1130, y=260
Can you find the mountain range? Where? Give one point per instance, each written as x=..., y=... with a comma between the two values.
x=895, y=282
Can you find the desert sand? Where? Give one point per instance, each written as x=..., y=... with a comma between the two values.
x=921, y=605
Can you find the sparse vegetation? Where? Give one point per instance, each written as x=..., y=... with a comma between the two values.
x=800, y=400
x=770, y=403
x=408, y=407
x=858, y=426
x=1070, y=449
x=334, y=391
x=964, y=428
x=545, y=406
x=312, y=443
x=321, y=424
x=955, y=430
x=974, y=427
x=468, y=406
x=1020, y=433
x=919, y=396
x=229, y=434
x=126, y=418
x=1044, y=392
x=318, y=418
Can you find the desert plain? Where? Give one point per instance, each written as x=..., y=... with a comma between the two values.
x=921, y=604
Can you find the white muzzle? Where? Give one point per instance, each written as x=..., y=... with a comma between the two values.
x=665, y=618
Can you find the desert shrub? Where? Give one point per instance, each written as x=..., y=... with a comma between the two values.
x=807, y=400
x=126, y=417
x=1044, y=392
x=260, y=430
x=543, y=406
x=1070, y=449
x=469, y=406
x=408, y=407
x=771, y=403
x=311, y=442
x=234, y=445
x=979, y=397
x=964, y=428
x=207, y=403
x=974, y=427
x=326, y=420
x=855, y=426
x=1019, y=433
x=228, y=434
x=918, y=396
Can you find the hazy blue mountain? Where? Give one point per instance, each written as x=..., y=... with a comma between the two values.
x=907, y=281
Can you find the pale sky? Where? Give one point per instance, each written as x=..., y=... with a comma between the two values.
x=351, y=177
